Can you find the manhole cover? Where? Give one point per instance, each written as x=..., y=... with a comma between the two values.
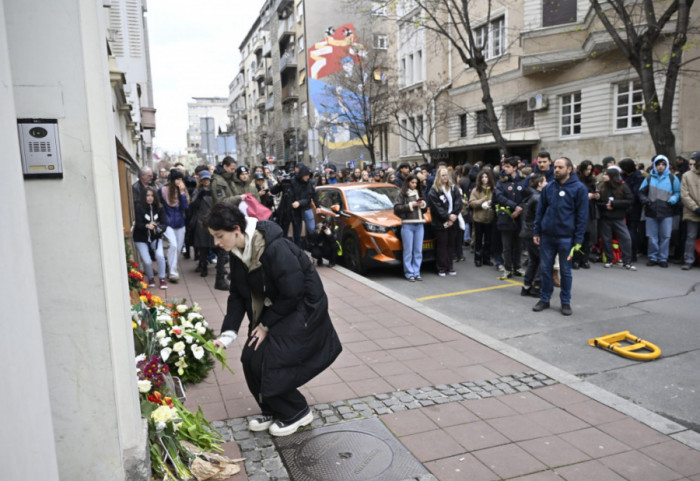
x=353, y=451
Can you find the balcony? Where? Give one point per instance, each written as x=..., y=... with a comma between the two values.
x=267, y=49
x=268, y=77
x=270, y=104
x=260, y=102
x=258, y=46
x=289, y=122
x=288, y=60
x=289, y=93
x=148, y=118
x=260, y=71
x=285, y=30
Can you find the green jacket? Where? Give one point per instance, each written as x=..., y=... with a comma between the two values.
x=227, y=187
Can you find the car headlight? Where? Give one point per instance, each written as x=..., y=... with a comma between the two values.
x=375, y=228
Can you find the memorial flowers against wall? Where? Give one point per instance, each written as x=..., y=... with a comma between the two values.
x=181, y=333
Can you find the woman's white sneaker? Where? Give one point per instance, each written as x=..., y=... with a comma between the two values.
x=279, y=428
x=260, y=423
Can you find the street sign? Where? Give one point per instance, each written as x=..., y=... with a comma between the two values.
x=271, y=159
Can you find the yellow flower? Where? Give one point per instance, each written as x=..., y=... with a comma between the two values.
x=134, y=325
x=143, y=298
x=144, y=285
x=157, y=300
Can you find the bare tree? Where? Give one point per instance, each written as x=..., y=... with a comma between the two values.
x=419, y=114
x=453, y=20
x=356, y=102
x=637, y=29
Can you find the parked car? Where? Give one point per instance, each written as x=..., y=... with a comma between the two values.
x=368, y=230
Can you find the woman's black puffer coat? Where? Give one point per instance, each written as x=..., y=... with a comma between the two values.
x=301, y=341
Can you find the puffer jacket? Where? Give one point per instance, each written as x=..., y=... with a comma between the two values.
x=659, y=193
x=690, y=194
x=303, y=192
x=479, y=214
x=529, y=213
x=282, y=291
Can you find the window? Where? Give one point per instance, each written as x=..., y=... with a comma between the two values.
x=418, y=66
x=304, y=110
x=492, y=37
x=379, y=9
x=558, y=12
x=518, y=117
x=629, y=104
x=463, y=125
x=301, y=43
x=571, y=114
x=482, y=123
x=409, y=70
x=300, y=11
x=380, y=42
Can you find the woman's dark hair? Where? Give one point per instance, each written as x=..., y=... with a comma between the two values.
x=225, y=216
x=407, y=180
x=156, y=200
x=492, y=183
x=588, y=180
x=613, y=186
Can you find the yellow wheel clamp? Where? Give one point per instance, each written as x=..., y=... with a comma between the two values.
x=612, y=342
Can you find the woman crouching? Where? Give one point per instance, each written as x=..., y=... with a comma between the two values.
x=290, y=335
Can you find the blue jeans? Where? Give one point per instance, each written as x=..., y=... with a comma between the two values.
x=147, y=263
x=691, y=235
x=549, y=248
x=412, y=242
x=659, y=234
x=308, y=217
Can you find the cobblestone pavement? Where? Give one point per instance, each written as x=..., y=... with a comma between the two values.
x=263, y=461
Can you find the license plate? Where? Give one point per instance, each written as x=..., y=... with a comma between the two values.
x=427, y=245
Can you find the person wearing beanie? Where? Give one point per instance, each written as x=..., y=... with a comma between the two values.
x=659, y=193
x=690, y=196
x=607, y=162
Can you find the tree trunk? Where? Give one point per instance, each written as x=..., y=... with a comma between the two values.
x=490, y=111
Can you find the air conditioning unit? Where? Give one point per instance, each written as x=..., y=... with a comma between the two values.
x=537, y=102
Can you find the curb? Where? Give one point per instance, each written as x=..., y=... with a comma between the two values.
x=655, y=421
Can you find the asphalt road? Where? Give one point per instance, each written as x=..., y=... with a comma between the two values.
x=655, y=304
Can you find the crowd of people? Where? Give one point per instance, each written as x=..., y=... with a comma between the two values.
x=491, y=209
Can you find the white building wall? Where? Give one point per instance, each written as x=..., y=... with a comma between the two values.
x=58, y=65
x=27, y=448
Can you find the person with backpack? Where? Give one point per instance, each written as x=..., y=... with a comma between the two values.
x=659, y=193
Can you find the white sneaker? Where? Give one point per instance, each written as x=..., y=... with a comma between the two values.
x=260, y=423
x=279, y=428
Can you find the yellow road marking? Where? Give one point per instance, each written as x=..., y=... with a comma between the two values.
x=482, y=289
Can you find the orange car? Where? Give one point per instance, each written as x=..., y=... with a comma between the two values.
x=368, y=230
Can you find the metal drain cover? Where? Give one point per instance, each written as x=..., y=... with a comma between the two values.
x=353, y=451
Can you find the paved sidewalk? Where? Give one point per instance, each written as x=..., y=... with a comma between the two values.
x=465, y=405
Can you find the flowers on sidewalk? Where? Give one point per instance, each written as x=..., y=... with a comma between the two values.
x=173, y=338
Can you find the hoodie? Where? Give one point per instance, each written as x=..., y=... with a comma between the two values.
x=303, y=192
x=659, y=192
x=562, y=210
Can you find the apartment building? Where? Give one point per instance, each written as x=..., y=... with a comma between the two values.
x=206, y=117
x=559, y=84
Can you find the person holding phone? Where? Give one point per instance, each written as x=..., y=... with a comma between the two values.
x=410, y=207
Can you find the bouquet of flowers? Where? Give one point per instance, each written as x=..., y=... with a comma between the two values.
x=135, y=276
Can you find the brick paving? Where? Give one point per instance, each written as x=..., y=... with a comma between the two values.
x=463, y=409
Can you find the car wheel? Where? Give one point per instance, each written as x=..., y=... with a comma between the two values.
x=351, y=254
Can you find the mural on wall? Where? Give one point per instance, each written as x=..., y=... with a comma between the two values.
x=332, y=62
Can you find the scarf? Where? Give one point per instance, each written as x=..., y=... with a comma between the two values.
x=246, y=254
x=448, y=194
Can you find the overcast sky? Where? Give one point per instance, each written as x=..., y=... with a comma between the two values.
x=194, y=53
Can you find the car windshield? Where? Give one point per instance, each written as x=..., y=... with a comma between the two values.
x=371, y=198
